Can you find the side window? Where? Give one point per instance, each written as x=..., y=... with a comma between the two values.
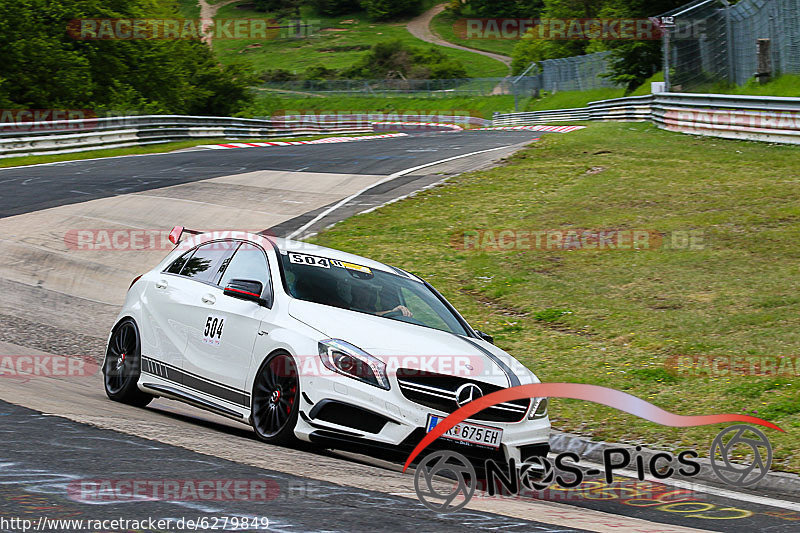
x=422, y=309
x=208, y=260
x=177, y=265
x=249, y=262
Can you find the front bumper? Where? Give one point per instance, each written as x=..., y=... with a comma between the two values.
x=343, y=413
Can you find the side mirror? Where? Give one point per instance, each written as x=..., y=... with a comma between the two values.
x=245, y=289
x=485, y=336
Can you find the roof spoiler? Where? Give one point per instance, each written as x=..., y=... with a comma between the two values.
x=178, y=231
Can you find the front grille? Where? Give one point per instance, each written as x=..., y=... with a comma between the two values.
x=438, y=391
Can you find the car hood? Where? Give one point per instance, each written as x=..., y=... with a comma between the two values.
x=403, y=345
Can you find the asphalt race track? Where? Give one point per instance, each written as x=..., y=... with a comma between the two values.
x=61, y=435
x=40, y=187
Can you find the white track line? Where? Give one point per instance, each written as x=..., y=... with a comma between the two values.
x=390, y=177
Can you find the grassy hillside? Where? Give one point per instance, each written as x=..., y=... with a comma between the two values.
x=340, y=43
x=442, y=24
x=615, y=318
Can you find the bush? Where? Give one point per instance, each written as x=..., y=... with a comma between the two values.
x=318, y=72
x=390, y=9
x=280, y=8
x=278, y=74
x=396, y=59
x=334, y=7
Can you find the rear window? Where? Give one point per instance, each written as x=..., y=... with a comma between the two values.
x=205, y=263
x=177, y=265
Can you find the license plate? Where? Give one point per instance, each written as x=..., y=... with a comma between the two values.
x=474, y=434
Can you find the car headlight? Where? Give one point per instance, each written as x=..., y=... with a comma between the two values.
x=538, y=409
x=353, y=362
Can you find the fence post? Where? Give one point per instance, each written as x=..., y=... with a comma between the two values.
x=764, y=60
x=666, y=27
x=729, y=42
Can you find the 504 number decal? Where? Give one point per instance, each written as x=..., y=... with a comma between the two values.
x=213, y=330
x=313, y=260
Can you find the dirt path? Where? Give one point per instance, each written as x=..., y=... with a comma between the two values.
x=419, y=27
x=207, y=13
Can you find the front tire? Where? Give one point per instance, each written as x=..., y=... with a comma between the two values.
x=122, y=365
x=276, y=400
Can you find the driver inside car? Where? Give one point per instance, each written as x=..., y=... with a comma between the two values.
x=363, y=298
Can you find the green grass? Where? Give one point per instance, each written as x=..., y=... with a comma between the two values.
x=267, y=104
x=629, y=311
x=644, y=88
x=332, y=46
x=786, y=85
x=149, y=149
x=570, y=99
x=442, y=24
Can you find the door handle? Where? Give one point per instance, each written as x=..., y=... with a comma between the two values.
x=161, y=284
x=209, y=299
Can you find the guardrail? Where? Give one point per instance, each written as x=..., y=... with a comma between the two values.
x=68, y=136
x=756, y=118
x=540, y=117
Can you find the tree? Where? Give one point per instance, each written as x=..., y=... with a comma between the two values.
x=632, y=62
x=44, y=66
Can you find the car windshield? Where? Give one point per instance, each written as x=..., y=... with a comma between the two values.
x=365, y=290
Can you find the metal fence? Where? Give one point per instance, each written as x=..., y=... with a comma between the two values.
x=714, y=41
x=392, y=87
x=577, y=73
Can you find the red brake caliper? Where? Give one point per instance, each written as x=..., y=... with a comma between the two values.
x=291, y=400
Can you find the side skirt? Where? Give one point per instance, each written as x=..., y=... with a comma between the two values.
x=196, y=401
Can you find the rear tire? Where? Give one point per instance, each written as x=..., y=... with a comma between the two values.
x=276, y=400
x=122, y=365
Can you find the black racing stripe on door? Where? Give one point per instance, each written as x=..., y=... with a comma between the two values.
x=161, y=370
x=218, y=391
x=195, y=382
x=513, y=380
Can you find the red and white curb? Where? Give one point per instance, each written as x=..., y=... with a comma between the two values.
x=452, y=127
x=556, y=129
x=327, y=140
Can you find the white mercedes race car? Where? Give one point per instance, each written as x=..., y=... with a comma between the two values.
x=305, y=342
